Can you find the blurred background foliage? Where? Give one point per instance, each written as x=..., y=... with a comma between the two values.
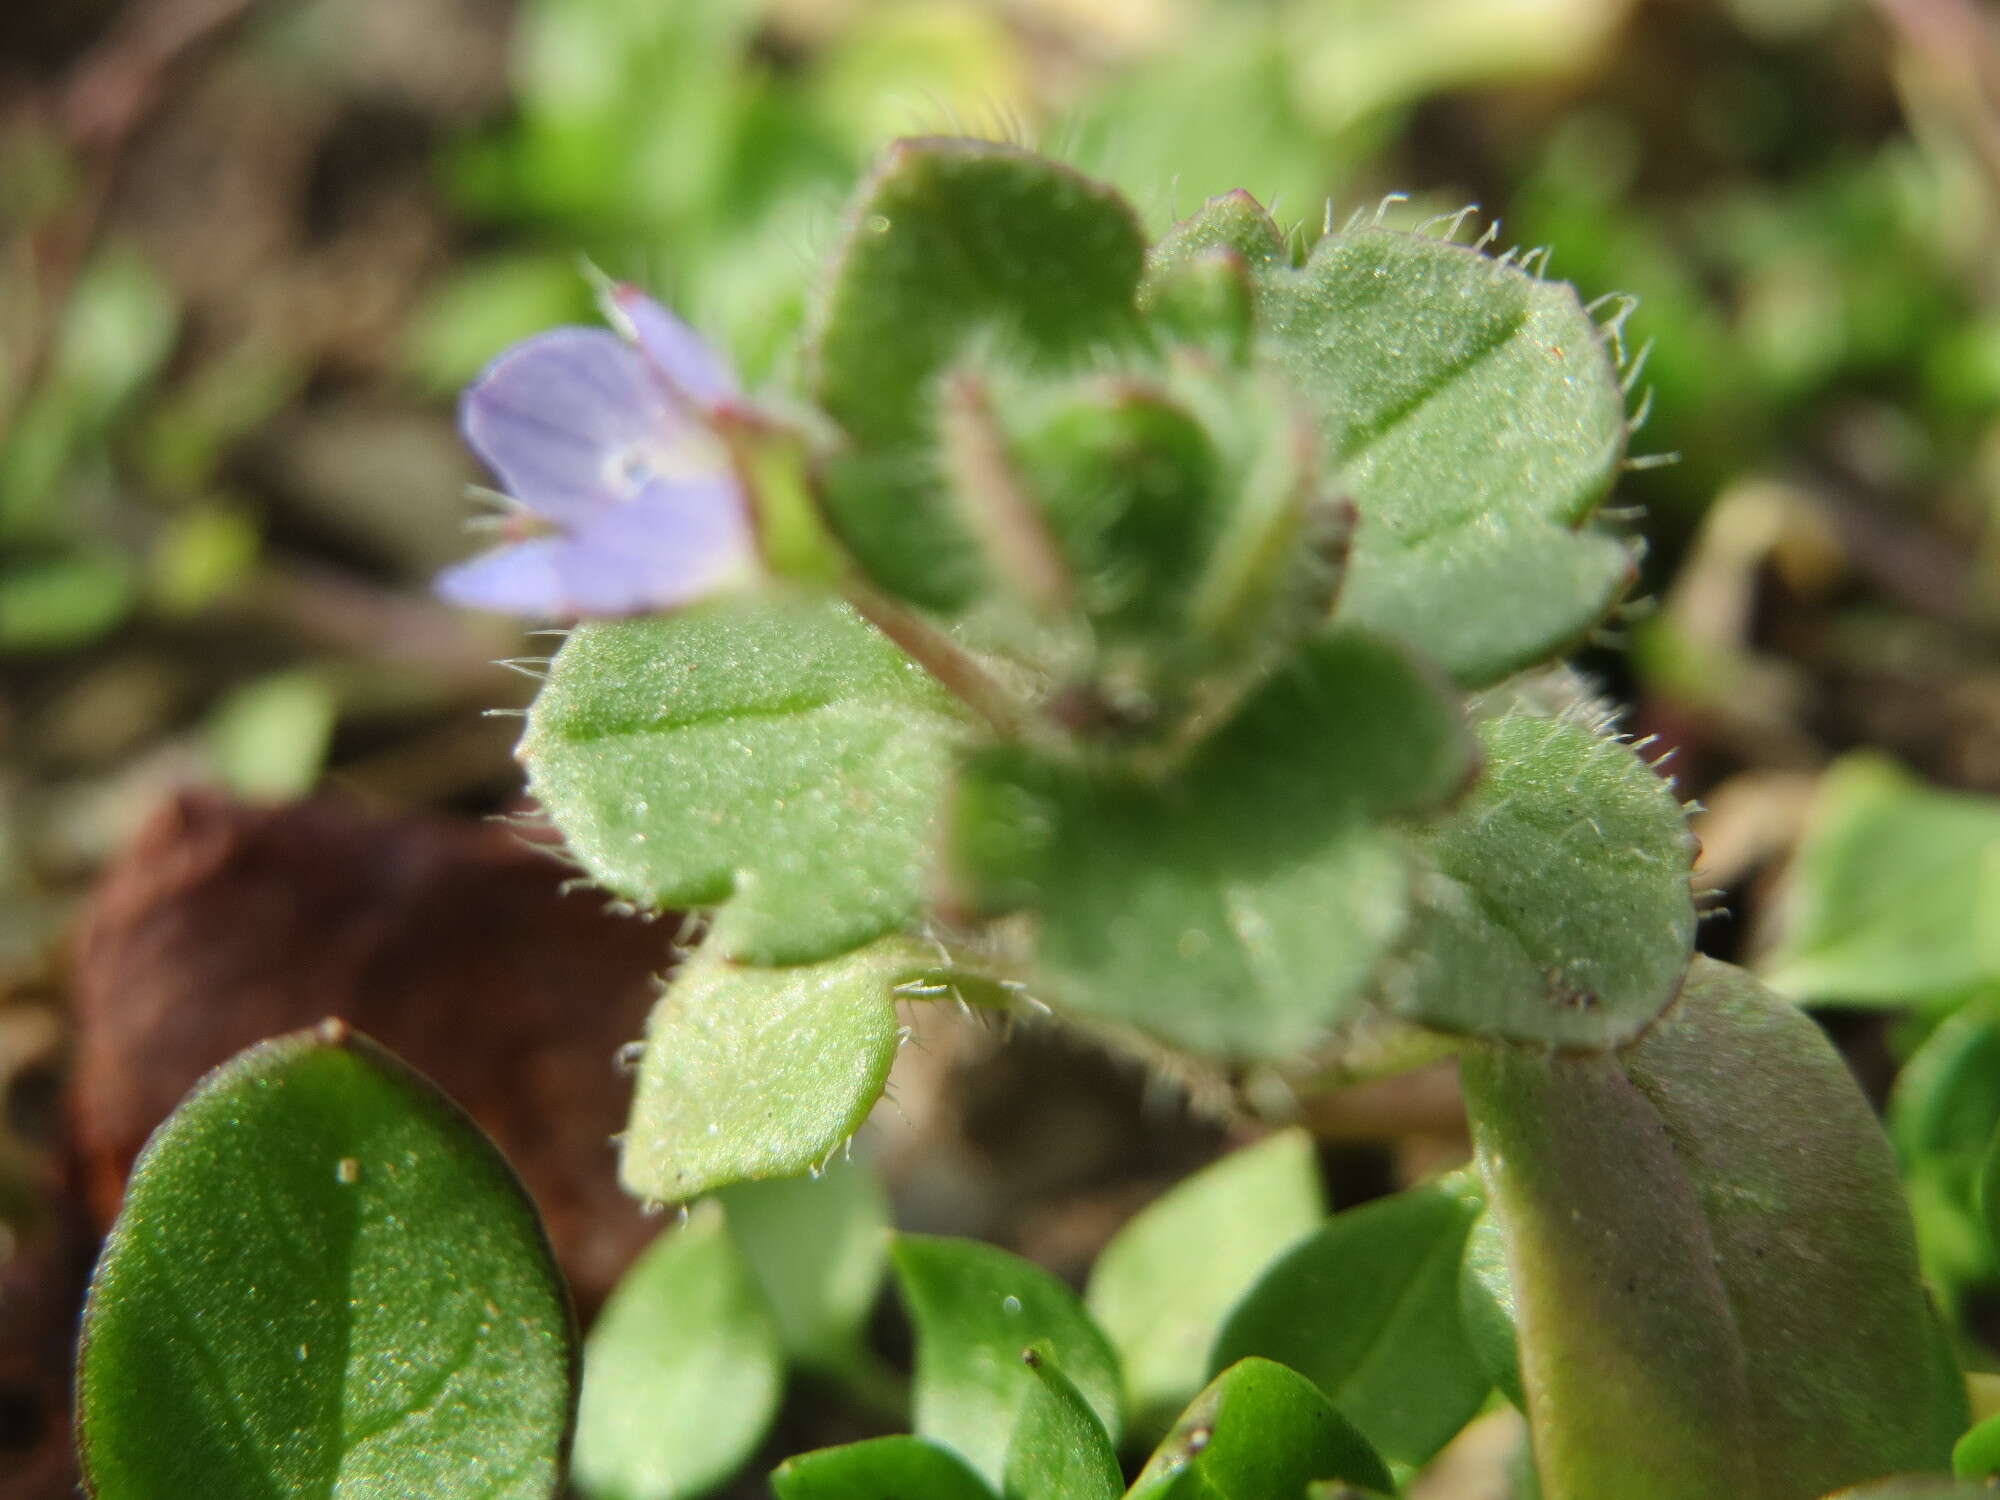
x=249, y=251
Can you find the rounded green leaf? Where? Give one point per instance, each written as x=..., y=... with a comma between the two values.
x=682, y=1372
x=1367, y=1309
x=952, y=241
x=1161, y=1288
x=324, y=1280
x=1895, y=893
x=818, y=1246
x=753, y=1073
x=1557, y=906
x=776, y=753
x=1058, y=1449
x=1486, y=1303
x=1258, y=1432
x=886, y=1468
x=1716, y=1281
x=1943, y=1114
x=1474, y=414
x=976, y=1309
x=1977, y=1454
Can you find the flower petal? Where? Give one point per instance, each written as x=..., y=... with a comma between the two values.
x=556, y=415
x=691, y=368
x=673, y=544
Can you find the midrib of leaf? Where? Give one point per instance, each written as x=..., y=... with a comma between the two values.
x=1366, y=435
x=229, y=1405
x=1379, y=1346
x=1710, y=1263
x=799, y=708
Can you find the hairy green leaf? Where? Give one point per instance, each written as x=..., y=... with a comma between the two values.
x=682, y=1372
x=1367, y=1309
x=1716, y=1280
x=324, y=1280
x=976, y=1309
x=1161, y=1288
x=1473, y=413
x=1243, y=904
x=1557, y=906
x=953, y=243
x=760, y=1072
x=775, y=753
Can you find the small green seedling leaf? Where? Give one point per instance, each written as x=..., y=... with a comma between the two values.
x=1367, y=1309
x=1557, y=906
x=1258, y=1432
x=681, y=1374
x=1243, y=905
x=886, y=1468
x=1895, y=893
x=1943, y=1114
x=753, y=1073
x=976, y=1308
x=1058, y=1449
x=324, y=1280
x=1716, y=1281
x=1475, y=415
x=818, y=1248
x=1977, y=1454
x=776, y=753
x=1162, y=1286
x=953, y=242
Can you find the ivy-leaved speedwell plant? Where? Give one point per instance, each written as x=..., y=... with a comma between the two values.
x=1169, y=635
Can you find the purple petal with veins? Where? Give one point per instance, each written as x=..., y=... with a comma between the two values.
x=689, y=366
x=671, y=545
x=570, y=421
x=609, y=441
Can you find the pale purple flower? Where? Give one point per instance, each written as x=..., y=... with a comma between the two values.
x=607, y=446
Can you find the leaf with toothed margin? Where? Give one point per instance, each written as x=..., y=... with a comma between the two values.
x=1258, y=1431
x=1058, y=1449
x=1474, y=414
x=1242, y=904
x=1556, y=906
x=1714, y=1272
x=953, y=243
x=324, y=1280
x=682, y=1373
x=775, y=753
x=752, y=1073
x=976, y=1308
